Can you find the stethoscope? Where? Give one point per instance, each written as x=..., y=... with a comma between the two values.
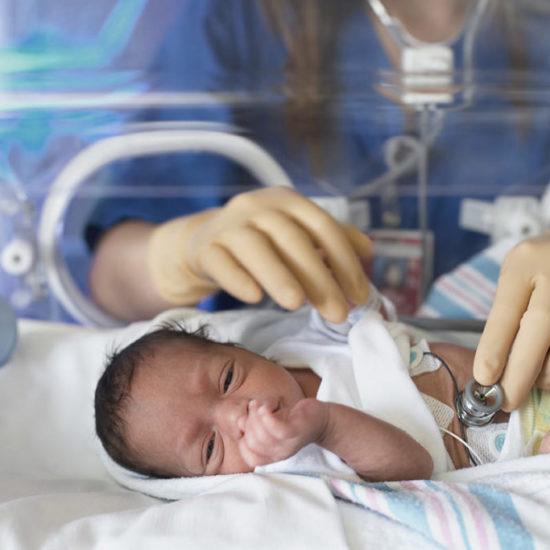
x=477, y=405
x=436, y=59
x=429, y=66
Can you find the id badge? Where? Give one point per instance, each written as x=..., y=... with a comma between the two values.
x=401, y=266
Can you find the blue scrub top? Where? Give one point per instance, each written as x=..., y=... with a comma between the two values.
x=221, y=45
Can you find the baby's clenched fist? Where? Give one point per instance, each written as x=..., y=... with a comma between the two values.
x=272, y=433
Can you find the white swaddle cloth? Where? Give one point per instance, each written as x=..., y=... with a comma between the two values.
x=366, y=370
x=257, y=331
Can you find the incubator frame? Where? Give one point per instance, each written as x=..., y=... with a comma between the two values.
x=237, y=148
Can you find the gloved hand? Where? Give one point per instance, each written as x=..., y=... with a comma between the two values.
x=514, y=344
x=273, y=240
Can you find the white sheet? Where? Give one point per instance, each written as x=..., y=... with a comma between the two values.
x=56, y=494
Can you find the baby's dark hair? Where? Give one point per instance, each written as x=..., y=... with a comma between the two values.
x=113, y=391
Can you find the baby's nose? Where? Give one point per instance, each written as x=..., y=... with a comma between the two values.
x=234, y=416
x=241, y=424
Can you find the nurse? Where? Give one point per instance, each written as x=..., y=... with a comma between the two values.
x=312, y=57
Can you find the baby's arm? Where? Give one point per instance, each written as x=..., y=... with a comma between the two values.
x=375, y=449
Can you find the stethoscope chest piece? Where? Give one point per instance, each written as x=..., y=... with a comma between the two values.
x=477, y=404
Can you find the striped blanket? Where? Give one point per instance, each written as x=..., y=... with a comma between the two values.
x=498, y=506
x=468, y=291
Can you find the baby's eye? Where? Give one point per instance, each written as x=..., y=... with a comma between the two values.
x=210, y=448
x=228, y=379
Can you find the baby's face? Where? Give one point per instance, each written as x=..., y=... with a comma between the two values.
x=189, y=406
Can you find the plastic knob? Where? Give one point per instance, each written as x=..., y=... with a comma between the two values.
x=17, y=257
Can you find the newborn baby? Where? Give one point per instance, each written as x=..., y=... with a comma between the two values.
x=175, y=404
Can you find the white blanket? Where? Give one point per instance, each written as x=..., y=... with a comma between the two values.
x=55, y=492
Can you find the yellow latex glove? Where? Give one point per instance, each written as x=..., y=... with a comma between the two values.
x=514, y=344
x=270, y=240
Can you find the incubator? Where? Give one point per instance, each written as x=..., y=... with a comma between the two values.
x=445, y=167
x=82, y=108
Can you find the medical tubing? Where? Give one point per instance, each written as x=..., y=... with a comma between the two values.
x=457, y=392
x=101, y=153
x=398, y=168
x=469, y=448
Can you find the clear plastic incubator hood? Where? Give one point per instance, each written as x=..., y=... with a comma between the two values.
x=440, y=163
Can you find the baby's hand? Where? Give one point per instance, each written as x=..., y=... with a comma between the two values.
x=272, y=434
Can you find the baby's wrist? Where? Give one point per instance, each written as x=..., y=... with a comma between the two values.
x=321, y=414
x=331, y=429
